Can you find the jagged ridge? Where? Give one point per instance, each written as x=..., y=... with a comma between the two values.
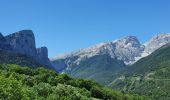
x=127, y=50
x=118, y=48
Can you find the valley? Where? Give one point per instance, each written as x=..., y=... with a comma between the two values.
x=113, y=65
x=110, y=68
x=84, y=50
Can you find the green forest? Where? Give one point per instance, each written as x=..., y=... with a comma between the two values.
x=24, y=83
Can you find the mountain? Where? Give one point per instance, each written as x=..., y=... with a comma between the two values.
x=125, y=49
x=152, y=62
x=22, y=78
x=100, y=62
x=122, y=52
x=23, y=43
x=149, y=76
x=156, y=42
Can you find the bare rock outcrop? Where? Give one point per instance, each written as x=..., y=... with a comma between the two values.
x=23, y=42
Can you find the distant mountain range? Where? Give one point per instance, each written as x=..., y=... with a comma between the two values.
x=123, y=52
x=124, y=64
x=18, y=52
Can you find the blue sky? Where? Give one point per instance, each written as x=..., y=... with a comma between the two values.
x=68, y=25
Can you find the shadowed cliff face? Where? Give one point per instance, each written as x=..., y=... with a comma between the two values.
x=4, y=45
x=23, y=42
x=43, y=56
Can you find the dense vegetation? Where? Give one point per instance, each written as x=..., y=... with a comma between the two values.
x=24, y=83
x=19, y=59
x=101, y=68
x=150, y=76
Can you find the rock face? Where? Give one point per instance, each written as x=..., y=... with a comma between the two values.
x=23, y=42
x=2, y=38
x=43, y=56
x=125, y=49
x=4, y=45
x=128, y=49
x=156, y=42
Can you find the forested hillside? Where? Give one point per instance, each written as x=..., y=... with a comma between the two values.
x=7, y=57
x=149, y=76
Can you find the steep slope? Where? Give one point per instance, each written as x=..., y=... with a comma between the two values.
x=149, y=76
x=153, y=44
x=156, y=42
x=100, y=62
x=153, y=61
x=101, y=68
x=42, y=54
x=125, y=49
x=121, y=53
x=23, y=42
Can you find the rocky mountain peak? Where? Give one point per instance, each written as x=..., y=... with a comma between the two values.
x=24, y=33
x=2, y=38
x=43, y=55
x=23, y=42
x=161, y=36
x=129, y=38
x=156, y=42
x=127, y=49
x=129, y=41
x=42, y=51
x=124, y=49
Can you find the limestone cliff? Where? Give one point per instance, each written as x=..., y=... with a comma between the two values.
x=23, y=42
x=43, y=56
